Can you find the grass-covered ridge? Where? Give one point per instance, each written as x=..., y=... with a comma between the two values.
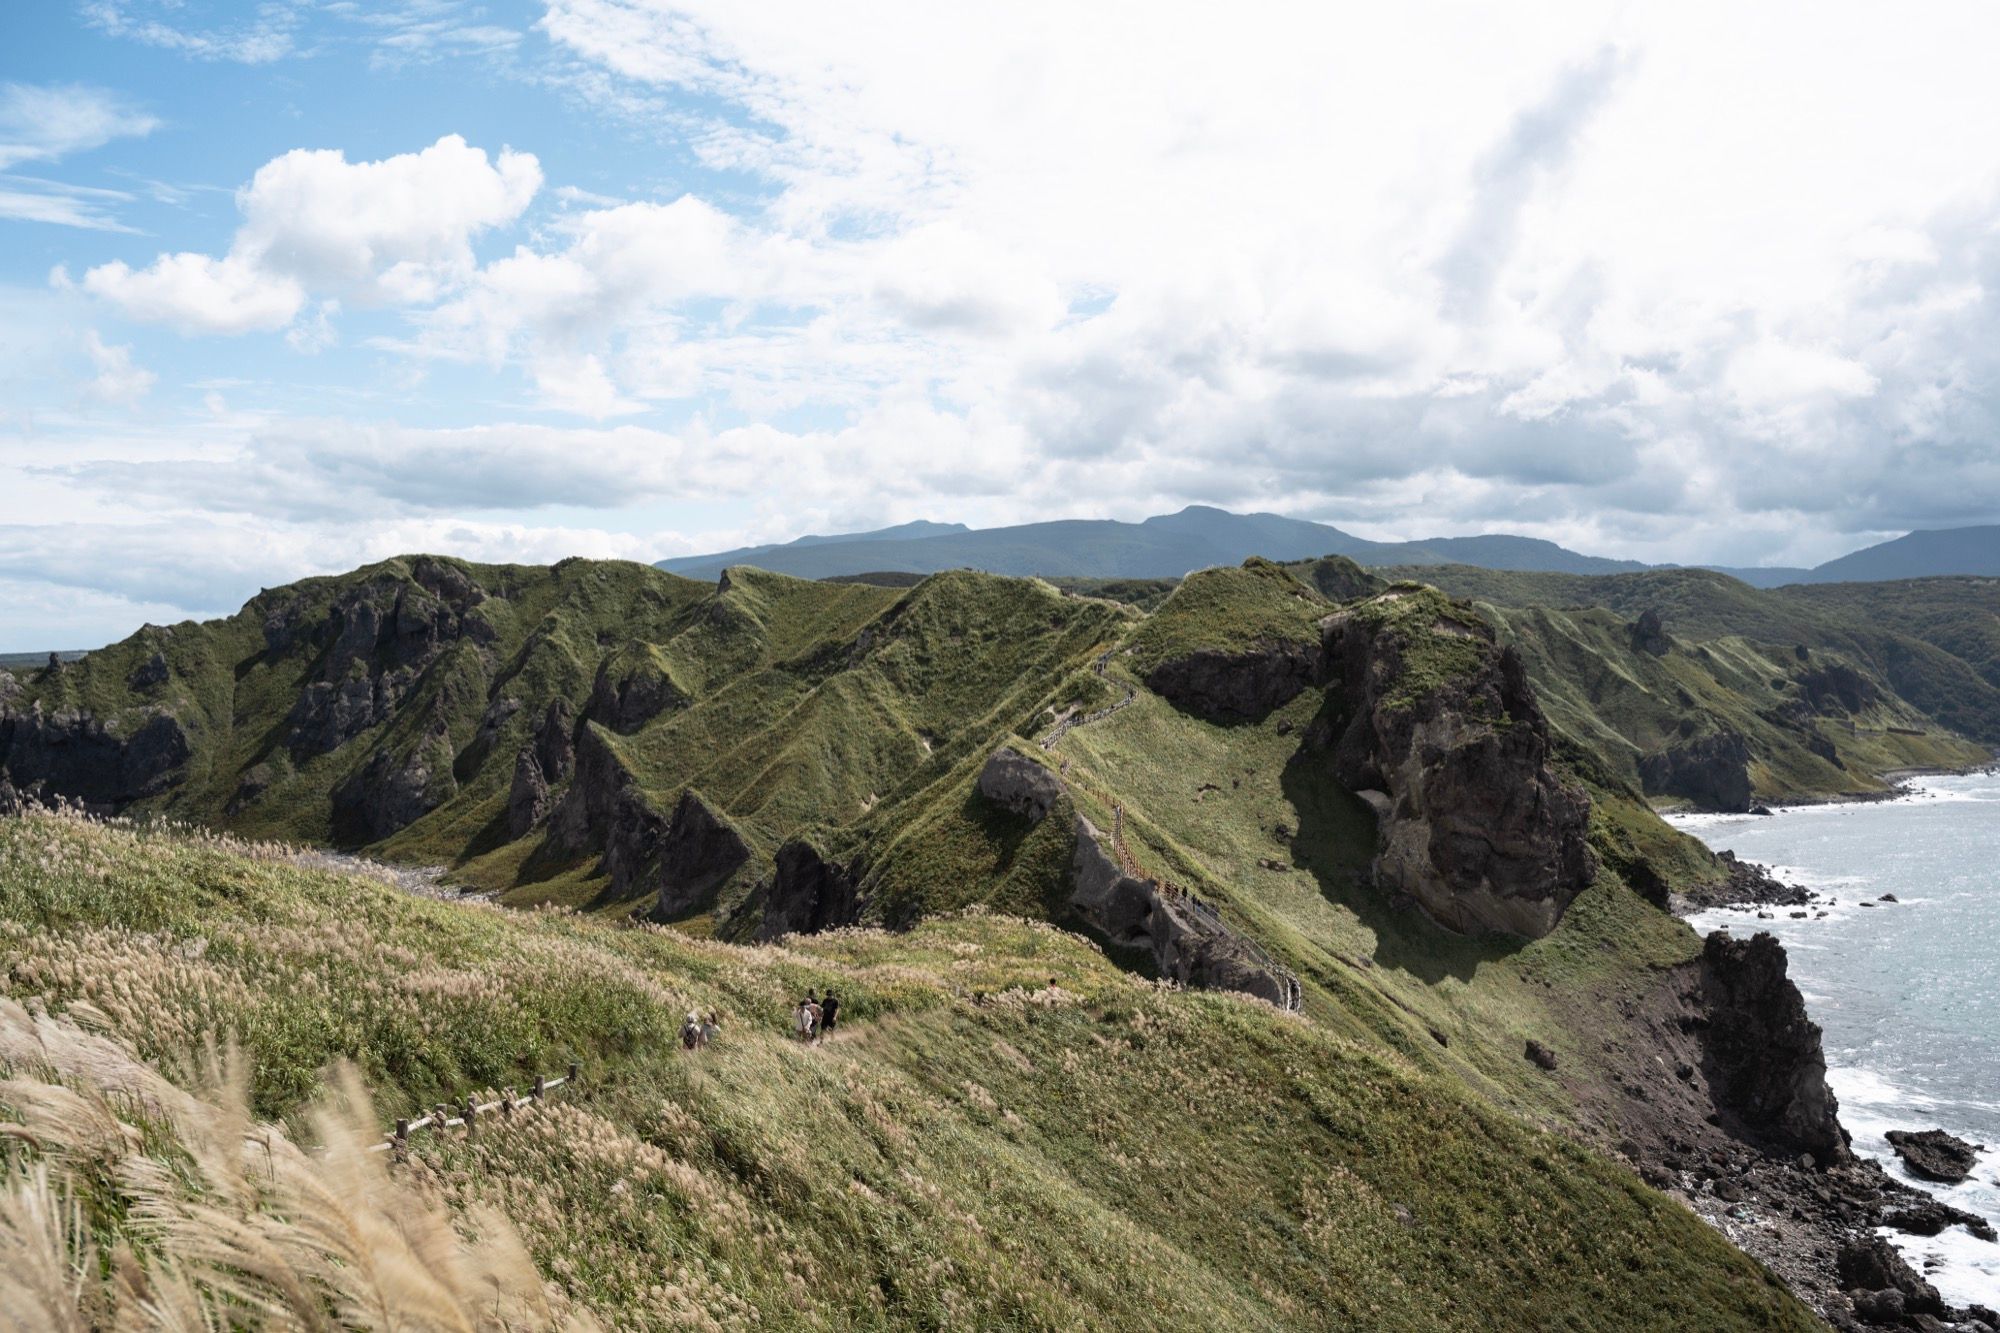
x=978, y=1149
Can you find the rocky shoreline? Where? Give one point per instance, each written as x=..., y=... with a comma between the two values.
x=1812, y=1218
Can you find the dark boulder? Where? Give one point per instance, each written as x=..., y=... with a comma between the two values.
x=10, y=799
x=1871, y=1264
x=1016, y=782
x=1923, y=1215
x=1540, y=1056
x=1762, y=1058
x=1236, y=686
x=806, y=894
x=1428, y=713
x=1934, y=1154
x=1713, y=771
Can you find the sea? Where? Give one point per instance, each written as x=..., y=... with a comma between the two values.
x=1907, y=993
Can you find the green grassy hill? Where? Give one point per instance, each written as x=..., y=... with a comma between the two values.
x=765, y=757
x=1008, y=1132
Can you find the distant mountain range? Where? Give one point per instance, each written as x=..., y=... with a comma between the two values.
x=1199, y=536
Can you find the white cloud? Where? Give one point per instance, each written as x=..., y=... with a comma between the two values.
x=263, y=39
x=197, y=294
x=43, y=122
x=118, y=379
x=395, y=231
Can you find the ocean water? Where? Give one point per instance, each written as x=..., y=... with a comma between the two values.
x=1908, y=993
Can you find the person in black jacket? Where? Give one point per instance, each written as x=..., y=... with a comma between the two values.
x=829, y=1008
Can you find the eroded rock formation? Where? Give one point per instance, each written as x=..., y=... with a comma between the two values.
x=1234, y=687
x=1473, y=823
x=1934, y=1154
x=1712, y=770
x=1013, y=780
x=807, y=894
x=1762, y=1058
x=627, y=695
x=1186, y=944
x=106, y=765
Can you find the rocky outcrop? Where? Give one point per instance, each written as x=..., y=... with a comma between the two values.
x=1934, y=1154
x=1762, y=1059
x=1187, y=944
x=1013, y=780
x=682, y=858
x=1713, y=771
x=539, y=766
x=1835, y=689
x=1649, y=634
x=374, y=642
x=104, y=764
x=806, y=894
x=395, y=789
x=555, y=746
x=699, y=854
x=10, y=799
x=1426, y=711
x=626, y=695
x=150, y=673
x=527, y=795
x=1870, y=1267
x=1234, y=687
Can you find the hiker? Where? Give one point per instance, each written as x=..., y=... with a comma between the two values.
x=804, y=1016
x=691, y=1031
x=829, y=1010
x=712, y=1028
x=818, y=1017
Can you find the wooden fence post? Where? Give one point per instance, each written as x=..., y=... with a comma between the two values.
x=572, y=1071
x=471, y=1112
x=541, y=1088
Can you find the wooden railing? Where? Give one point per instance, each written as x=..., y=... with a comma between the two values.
x=1068, y=724
x=469, y=1111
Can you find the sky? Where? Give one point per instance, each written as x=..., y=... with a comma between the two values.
x=290, y=286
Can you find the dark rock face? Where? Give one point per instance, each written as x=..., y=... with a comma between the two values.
x=540, y=765
x=1934, y=1154
x=393, y=791
x=10, y=799
x=1233, y=687
x=699, y=853
x=1190, y=946
x=1540, y=1056
x=1013, y=780
x=807, y=894
x=528, y=795
x=554, y=746
x=1649, y=634
x=683, y=857
x=626, y=702
x=374, y=643
x=1871, y=1265
x=74, y=755
x=1762, y=1060
x=1713, y=771
x=1473, y=823
x=149, y=673
x=1926, y=1216
x=1836, y=689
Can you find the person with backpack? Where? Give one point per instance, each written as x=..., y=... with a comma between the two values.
x=691, y=1032
x=829, y=1011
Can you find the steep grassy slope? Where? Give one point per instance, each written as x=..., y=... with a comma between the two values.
x=1832, y=690
x=977, y=1148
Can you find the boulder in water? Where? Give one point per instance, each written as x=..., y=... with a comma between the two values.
x=1934, y=1154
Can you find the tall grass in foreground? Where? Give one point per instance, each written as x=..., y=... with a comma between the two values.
x=225, y=1221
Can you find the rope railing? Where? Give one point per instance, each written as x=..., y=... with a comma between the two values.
x=468, y=1111
x=1066, y=725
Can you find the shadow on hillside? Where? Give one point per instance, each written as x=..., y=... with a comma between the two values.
x=1335, y=842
